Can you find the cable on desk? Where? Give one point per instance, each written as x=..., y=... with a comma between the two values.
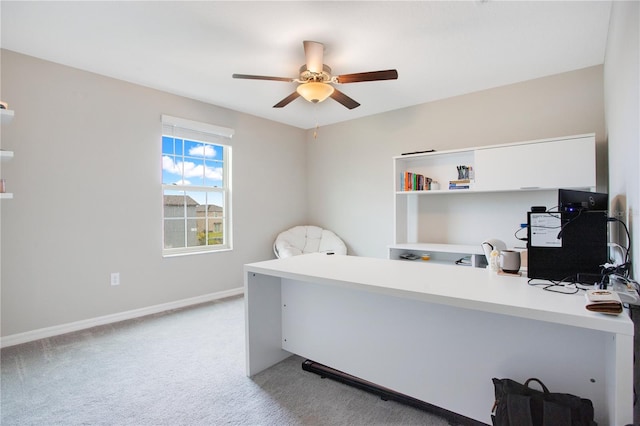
x=554, y=286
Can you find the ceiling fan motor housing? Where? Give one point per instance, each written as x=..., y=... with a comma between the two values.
x=321, y=77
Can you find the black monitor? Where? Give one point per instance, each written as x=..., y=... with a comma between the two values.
x=570, y=200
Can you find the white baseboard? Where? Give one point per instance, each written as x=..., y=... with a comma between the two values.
x=42, y=333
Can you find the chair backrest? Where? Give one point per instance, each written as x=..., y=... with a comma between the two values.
x=307, y=239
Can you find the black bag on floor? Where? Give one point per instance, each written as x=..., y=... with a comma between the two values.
x=519, y=405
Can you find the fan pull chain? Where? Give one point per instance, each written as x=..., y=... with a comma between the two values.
x=315, y=131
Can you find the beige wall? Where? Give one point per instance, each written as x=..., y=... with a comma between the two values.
x=87, y=152
x=350, y=164
x=86, y=177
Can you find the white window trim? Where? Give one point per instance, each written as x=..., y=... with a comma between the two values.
x=188, y=127
x=183, y=123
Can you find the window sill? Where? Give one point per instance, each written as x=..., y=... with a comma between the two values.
x=189, y=253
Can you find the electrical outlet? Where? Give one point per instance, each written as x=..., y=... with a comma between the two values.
x=115, y=278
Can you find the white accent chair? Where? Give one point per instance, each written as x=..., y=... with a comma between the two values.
x=307, y=239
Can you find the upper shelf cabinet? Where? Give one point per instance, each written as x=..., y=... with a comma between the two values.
x=559, y=163
x=6, y=115
x=567, y=162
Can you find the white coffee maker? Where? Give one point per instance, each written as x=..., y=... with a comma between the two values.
x=491, y=244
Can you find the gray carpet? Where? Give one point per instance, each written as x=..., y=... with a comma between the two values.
x=184, y=367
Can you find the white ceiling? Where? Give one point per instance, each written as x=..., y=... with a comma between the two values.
x=440, y=48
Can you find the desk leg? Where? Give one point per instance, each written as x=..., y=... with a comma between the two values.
x=263, y=322
x=620, y=379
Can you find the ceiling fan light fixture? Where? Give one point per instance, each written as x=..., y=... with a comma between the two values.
x=315, y=79
x=314, y=91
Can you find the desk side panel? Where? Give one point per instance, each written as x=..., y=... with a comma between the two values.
x=620, y=371
x=263, y=322
x=443, y=355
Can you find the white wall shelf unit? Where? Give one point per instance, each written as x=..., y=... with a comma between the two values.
x=6, y=155
x=500, y=175
x=6, y=115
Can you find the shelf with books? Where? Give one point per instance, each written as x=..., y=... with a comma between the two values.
x=430, y=171
x=435, y=187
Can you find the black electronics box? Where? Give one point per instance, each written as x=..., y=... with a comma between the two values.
x=580, y=245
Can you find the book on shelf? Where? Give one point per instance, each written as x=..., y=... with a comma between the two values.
x=407, y=182
x=460, y=184
x=414, y=182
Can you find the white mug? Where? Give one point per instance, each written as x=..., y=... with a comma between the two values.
x=510, y=261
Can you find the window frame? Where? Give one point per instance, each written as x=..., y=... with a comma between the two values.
x=206, y=134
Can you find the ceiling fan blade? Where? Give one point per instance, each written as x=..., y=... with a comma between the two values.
x=287, y=100
x=313, y=53
x=367, y=76
x=344, y=99
x=262, y=77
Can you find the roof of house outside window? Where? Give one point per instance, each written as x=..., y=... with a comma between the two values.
x=210, y=208
x=178, y=200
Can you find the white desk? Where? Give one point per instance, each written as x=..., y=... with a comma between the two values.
x=437, y=333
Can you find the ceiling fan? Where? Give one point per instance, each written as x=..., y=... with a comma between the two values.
x=316, y=80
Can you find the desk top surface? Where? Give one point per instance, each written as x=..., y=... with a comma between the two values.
x=459, y=286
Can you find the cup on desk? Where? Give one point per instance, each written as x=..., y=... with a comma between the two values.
x=510, y=261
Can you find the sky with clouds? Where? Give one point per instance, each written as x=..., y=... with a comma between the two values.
x=190, y=163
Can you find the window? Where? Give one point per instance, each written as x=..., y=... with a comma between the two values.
x=196, y=186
